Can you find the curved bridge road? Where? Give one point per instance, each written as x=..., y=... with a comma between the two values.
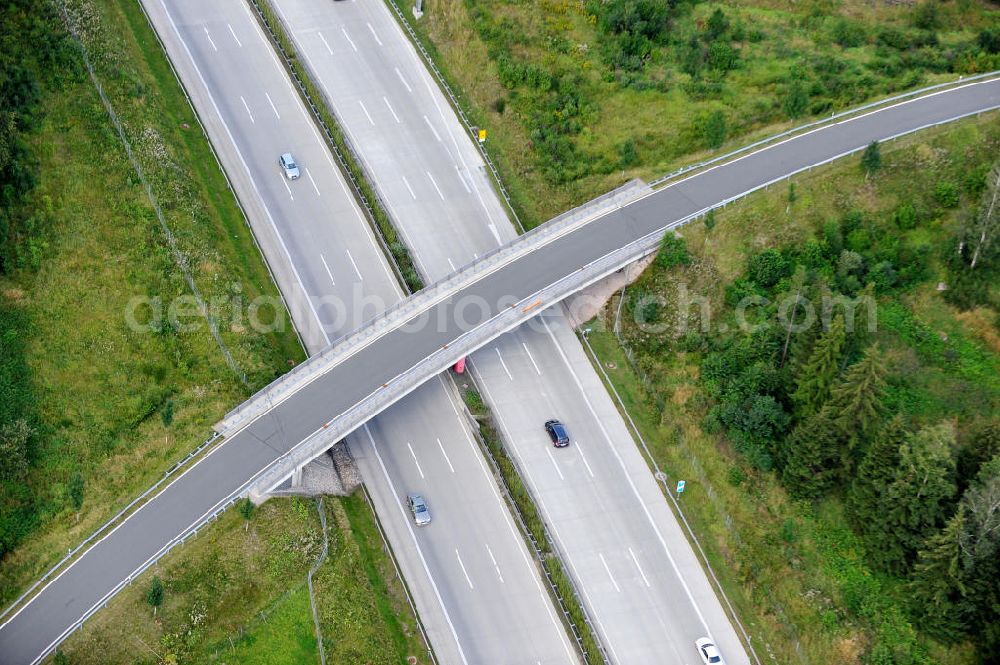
x=34, y=630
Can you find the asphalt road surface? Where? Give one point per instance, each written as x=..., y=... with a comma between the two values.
x=645, y=590
x=470, y=572
x=639, y=577
x=225, y=470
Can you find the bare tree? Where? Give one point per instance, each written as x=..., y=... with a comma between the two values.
x=983, y=226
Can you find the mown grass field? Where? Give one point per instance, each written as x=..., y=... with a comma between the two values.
x=112, y=406
x=574, y=109
x=795, y=570
x=237, y=594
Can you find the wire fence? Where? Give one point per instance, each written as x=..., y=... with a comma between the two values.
x=309, y=579
x=817, y=123
x=663, y=480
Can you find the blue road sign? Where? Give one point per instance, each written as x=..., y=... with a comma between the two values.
x=680, y=486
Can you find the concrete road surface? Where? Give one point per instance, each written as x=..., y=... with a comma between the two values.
x=223, y=473
x=324, y=256
x=434, y=183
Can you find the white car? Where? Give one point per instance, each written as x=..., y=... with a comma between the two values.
x=288, y=165
x=709, y=653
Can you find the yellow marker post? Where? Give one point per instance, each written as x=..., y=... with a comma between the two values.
x=482, y=136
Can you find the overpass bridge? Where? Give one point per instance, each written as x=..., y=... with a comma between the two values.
x=297, y=417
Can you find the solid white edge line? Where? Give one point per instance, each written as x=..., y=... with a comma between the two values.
x=519, y=542
x=628, y=478
x=416, y=546
x=606, y=641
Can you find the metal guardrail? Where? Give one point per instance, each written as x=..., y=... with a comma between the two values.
x=218, y=161
x=399, y=574
x=600, y=267
x=817, y=123
x=404, y=310
x=424, y=299
x=535, y=547
x=663, y=479
x=107, y=525
x=411, y=377
x=415, y=39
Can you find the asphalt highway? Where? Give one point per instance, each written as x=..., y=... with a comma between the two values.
x=645, y=591
x=225, y=470
x=470, y=574
x=643, y=586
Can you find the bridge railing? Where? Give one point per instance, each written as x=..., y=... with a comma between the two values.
x=407, y=309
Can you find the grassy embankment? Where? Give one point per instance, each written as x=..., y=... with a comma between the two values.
x=575, y=108
x=111, y=408
x=237, y=593
x=798, y=575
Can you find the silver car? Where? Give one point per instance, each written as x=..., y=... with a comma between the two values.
x=421, y=515
x=288, y=165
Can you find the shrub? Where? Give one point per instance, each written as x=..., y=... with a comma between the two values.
x=715, y=130
x=905, y=216
x=767, y=268
x=722, y=57
x=796, y=101
x=946, y=194
x=989, y=40
x=673, y=252
x=848, y=33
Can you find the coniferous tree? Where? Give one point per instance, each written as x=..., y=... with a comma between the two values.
x=980, y=545
x=817, y=376
x=154, y=595
x=938, y=591
x=857, y=401
x=812, y=454
x=875, y=474
x=917, y=500
x=871, y=159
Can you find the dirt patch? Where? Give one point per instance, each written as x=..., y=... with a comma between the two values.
x=586, y=304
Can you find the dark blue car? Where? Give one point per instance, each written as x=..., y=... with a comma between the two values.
x=557, y=432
